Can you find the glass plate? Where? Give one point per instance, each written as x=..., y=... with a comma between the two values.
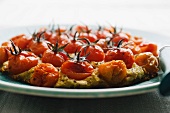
x=10, y=85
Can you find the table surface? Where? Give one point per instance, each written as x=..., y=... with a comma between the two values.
x=148, y=15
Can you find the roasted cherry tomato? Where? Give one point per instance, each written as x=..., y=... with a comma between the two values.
x=21, y=61
x=102, y=43
x=148, y=61
x=120, y=54
x=38, y=45
x=113, y=72
x=55, y=55
x=149, y=47
x=132, y=46
x=7, y=44
x=45, y=75
x=82, y=29
x=119, y=36
x=21, y=41
x=3, y=55
x=47, y=34
x=77, y=70
x=93, y=52
x=91, y=37
x=137, y=40
x=75, y=45
x=100, y=33
x=85, y=32
x=62, y=39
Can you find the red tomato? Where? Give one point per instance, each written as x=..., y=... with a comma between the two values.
x=7, y=44
x=21, y=41
x=91, y=37
x=137, y=40
x=60, y=30
x=101, y=35
x=60, y=39
x=45, y=75
x=3, y=55
x=149, y=47
x=73, y=46
x=95, y=53
x=57, y=59
x=119, y=36
x=38, y=48
x=22, y=62
x=132, y=46
x=82, y=29
x=120, y=54
x=102, y=43
x=77, y=70
x=47, y=35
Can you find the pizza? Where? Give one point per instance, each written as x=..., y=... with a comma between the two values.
x=79, y=56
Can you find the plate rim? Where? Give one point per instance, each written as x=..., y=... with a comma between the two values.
x=77, y=93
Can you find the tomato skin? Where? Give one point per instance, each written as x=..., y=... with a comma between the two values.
x=47, y=35
x=22, y=62
x=38, y=48
x=82, y=29
x=137, y=40
x=91, y=37
x=120, y=36
x=102, y=43
x=73, y=46
x=149, y=47
x=95, y=53
x=113, y=71
x=133, y=47
x=57, y=59
x=101, y=35
x=45, y=75
x=76, y=70
x=120, y=54
x=6, y=44
x=3, y=55
x=21, y=41
x=60, y=39
x=148, y=61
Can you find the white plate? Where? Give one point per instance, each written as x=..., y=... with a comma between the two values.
x=10, y=85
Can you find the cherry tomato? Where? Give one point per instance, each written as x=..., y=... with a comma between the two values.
x=22, y=62
x=119, y=36
x=113, y=71
x=60, y=30
x=95, y=53
x=76, y=70
x=6, y=44
x=73, y=46
x=101, y=35
x=3, y=55
x=132, y=46
x=102, y=43
x=61, y=39
x=137, y=40
x=21, y=41
x=91, y=37
x=149, y=47
x=82, y=29
x=38, y=48
x=148, y=61
x=120, y=54
x=45, y=75
x=57, y=59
